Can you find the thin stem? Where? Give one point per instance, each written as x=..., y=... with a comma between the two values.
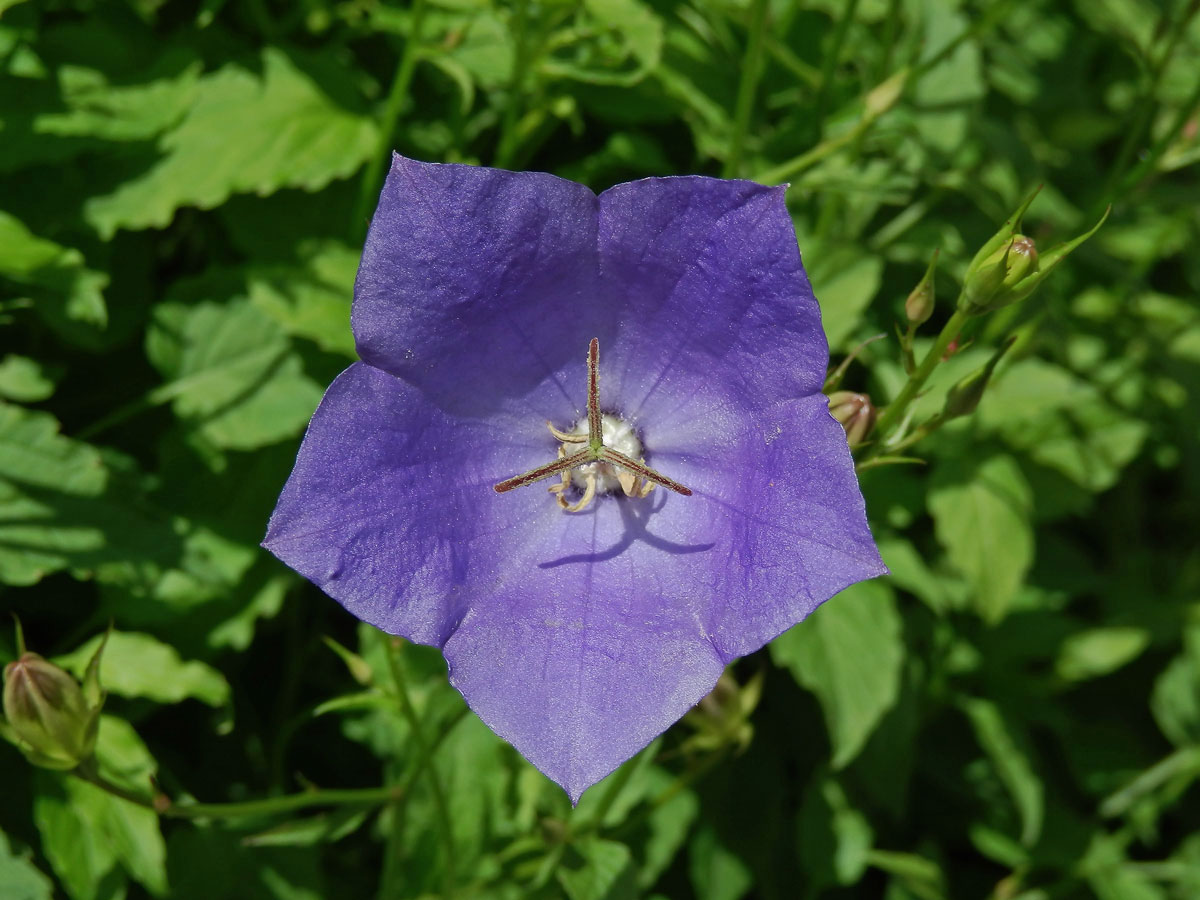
x=507, y=146
x=832, y=58
x=425, y=760
x=1150, y=160
x=752, y=67
x=391, y=114
x=898, y=407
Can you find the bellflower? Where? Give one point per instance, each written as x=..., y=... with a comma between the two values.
x=654, y=357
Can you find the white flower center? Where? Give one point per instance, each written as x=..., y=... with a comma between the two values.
x=619, y=435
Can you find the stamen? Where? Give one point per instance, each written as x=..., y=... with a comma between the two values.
x=608, y=454
x=566, y=437
x=552, y=468
x=595, y=426
x=589, y=494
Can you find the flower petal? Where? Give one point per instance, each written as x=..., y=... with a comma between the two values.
x=477, y=283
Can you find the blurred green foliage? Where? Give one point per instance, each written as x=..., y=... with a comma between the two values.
x=1014, y=713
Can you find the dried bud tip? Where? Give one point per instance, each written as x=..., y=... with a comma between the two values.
x=856, y=414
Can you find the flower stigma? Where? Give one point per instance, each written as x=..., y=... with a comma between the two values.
x=598, y=454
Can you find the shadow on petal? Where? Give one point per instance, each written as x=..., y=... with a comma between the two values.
x=635, y=517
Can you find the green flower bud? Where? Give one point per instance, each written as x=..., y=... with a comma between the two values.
x=53, y=717
x=965, y=396
x=855, y=412
x=919, y=305
x=1005, y=277
x=1007, y=268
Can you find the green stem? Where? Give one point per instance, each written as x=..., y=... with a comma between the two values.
x=752, y=67
x=1150, y=160
x=425, y=760
x=831, y=60
x=397, y=96
x=898, y=407
x=507, y=146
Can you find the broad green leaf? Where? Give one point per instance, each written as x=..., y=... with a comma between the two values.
x=232, y=373
x=66, y=293
x=87, y=831
x=139, y=665
x=1097, y=651
x=64, y=506
x=247, y=132
x=1010, y=757
x=597, y=869
x=716, y=872
x=845, y=283
x=849, y=653
x=942, y=93
x=20, y=879
x=24, y=380
x=981, y=514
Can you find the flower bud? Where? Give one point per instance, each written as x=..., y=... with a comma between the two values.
x=965, y=396
x=1003, y=278
x=46, y=709
x=1007, y=267
x=919, y=305
x=855, y=412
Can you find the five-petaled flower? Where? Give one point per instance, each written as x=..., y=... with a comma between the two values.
x=581, y=622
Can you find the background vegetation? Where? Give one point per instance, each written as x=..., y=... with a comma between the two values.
x=184, y=186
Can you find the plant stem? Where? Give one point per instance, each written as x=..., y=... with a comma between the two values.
x=425, y=760
x=391, y=113
x=896, y=409
x=752, y=67
x=832, y=58
x=507, y=146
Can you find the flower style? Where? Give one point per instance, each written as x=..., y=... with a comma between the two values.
x=705, y=499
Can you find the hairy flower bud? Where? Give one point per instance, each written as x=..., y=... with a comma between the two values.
x=46, y=709
x=919, y=305
x=965, y=396
x=855, y=412
x=54, y=718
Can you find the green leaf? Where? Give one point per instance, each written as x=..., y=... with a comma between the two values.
x=66, y=294
x=312, y=302
x=232, y=373
x=326, y=828
x=597, y=869
x=981, y=513
x=1094, y=652
x=20, y=879
x=24, y=380
x=1010, y=757
x=668, y=824
x=247, y=132
x=716, y=872
x=923, y=877
x=845, y=283
x=139, y=665
x=834, y=837
x=64, y=505
x=86, y=831
x=849, y=653
x=1175, y=701
x=211, y=864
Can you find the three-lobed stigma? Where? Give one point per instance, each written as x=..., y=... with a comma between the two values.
x=605, y=456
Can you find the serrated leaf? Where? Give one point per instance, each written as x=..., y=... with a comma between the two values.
x=86, y=831
x=981, y=514
x=67, y=295
x=62, y=505
x=597, y=869
x=312, y=301
x=849, y=653
x=233, y=373
x=140, y=665
x=246, y=132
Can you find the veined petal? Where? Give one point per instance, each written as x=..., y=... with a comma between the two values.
x=476, y=283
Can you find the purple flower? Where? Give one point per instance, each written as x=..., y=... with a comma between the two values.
x=578, y=634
